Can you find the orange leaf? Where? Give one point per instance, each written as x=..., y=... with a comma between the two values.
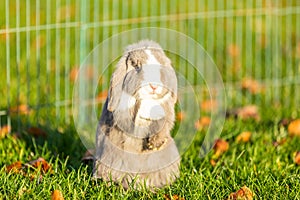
x=220, y=147
x=233, y=50
x=180, y=116
x=202, y=123
x=213, y=162
x=294, y=128
x=37, y=132
x=253, y=86
x=22, y=109
x=208, y=105
x=244, y=136
x=73, y=73
x=174, y=197
x=57, y=195
x=4, y=130
x=248, y=112
x=243, y=194
x=102, y=95
x=297, y=158
x=15, y=167
x=40, y=163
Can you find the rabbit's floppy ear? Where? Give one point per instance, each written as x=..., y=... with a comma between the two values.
x=115, y=88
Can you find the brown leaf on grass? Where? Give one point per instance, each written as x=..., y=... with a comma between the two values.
x=242, y=194
x=22, y=109
x=294, y=128
x=37, y=132
x=87, y=72
x=220, y=147
x=252, y=86
x=213, y=162
x=279, y=142
x=202, y=123
x=57, y=195
x=180, y=116
x=4, y=130
x=297, y=158
x=174, y=197
x=88, y=155
x=248, y=112
x=73, y=74
x=102, y=95
x=39, y=163
x=15, y=167
x=208, y=105
x=233, y=50
x=244, y=136
x=284, y=122
x=7, y=34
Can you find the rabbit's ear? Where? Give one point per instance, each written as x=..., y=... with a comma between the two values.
x=116, y=83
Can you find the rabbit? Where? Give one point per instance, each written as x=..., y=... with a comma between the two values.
x=133, y=142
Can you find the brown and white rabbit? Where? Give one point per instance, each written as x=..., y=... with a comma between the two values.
x=133, y=142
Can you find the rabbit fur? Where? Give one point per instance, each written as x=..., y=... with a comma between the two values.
x=133, y=142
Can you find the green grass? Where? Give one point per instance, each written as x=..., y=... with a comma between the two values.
x=267, y=170
x=268, y=52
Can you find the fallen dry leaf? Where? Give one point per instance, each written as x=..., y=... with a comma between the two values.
x=174, y=197
x=202, y=123
x=57, y=195
x=86, y=72
x=36, y=132
x=220, y=147
x=213, y=162
x=180, y=116
x=22, y=109
x=102, y=95
x=40, y=163
x=242, y=194
x=15, y=167
x=297, y=158
x=73, y=73
x=233, y=50
x=294, y=128
x=244, y=136
x=88, y=155
x=208, y=105
x=279, y=142
x=284, y=122
x=248, y=112
x=252, y=86
x=4, y=130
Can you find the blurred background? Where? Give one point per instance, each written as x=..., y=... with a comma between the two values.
x=254, y=43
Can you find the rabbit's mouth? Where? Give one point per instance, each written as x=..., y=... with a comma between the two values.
x=152, y=92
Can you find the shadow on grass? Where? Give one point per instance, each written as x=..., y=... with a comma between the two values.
x=62, y=142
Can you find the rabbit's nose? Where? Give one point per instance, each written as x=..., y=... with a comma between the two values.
x=154, y=87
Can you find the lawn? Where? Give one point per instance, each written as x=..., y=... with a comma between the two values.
x=254, y=44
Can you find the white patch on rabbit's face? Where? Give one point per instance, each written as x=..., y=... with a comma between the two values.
x=126, y=101
x=151, y=110
x=151, y=84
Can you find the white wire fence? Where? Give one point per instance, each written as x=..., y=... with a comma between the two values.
x=254, y=43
